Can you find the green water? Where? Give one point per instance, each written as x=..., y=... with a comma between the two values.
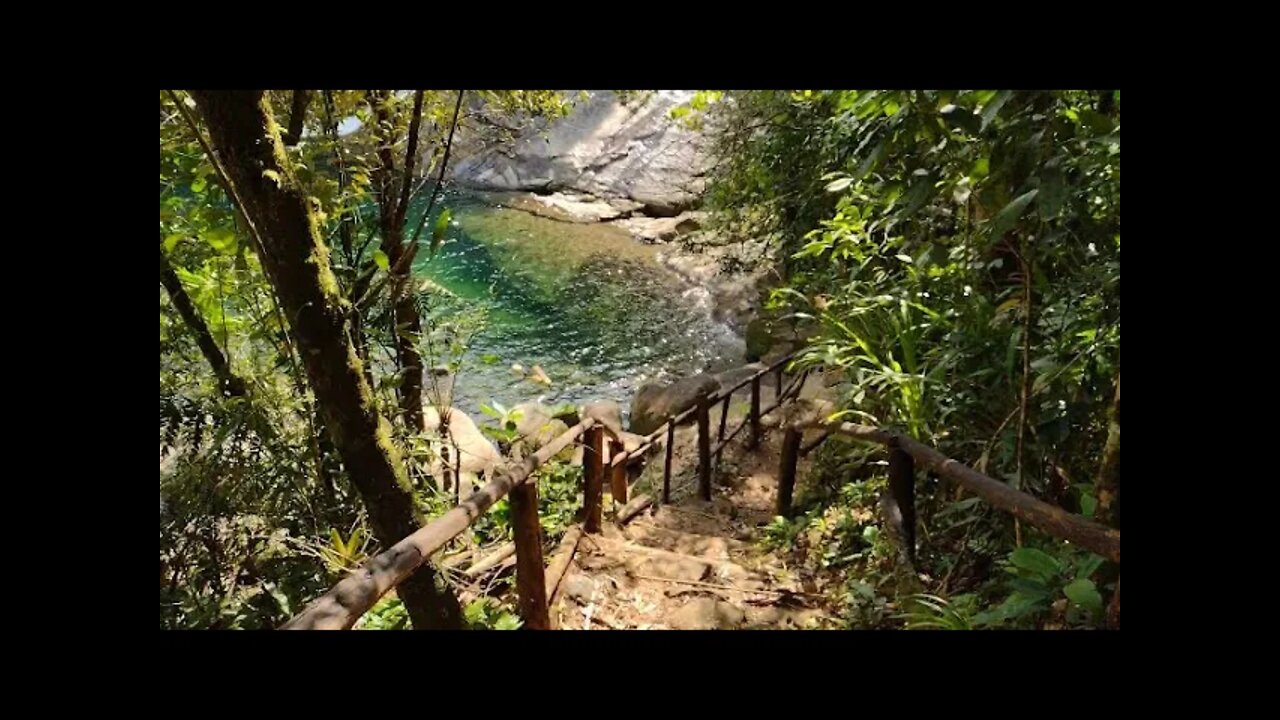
x=589, y=304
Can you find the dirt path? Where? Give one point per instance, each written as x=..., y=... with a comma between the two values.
x=692, y=564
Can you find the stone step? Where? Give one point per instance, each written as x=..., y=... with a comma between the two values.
x=713, y=547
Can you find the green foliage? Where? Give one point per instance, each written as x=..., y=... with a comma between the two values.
x=389, y=614
x=930, y=612
x=909, y=226
x=489, y=614
x=1042, y=586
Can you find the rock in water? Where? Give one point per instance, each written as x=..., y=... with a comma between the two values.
x=538, y=375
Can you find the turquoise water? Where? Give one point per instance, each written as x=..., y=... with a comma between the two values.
x=590, y=305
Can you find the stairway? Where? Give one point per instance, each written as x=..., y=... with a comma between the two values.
x=693, y=564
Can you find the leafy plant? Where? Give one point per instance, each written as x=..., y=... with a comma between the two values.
x=1038, y=580
x=930, y=612
x=488, y=614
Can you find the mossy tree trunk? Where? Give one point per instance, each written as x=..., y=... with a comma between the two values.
x=296, y=260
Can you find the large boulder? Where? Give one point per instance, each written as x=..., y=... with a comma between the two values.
x=476, y=455
x=654, y=403
x=536, y=427
x=730, y=378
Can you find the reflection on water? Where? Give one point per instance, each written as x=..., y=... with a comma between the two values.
x=589, y=304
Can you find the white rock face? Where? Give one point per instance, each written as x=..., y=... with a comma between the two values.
x=605, y=149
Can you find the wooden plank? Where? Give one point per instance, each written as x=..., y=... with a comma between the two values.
x=724, y=417
x=787, y=471
x=491, y=561
x=902, y=497
x=704, y=448
x=531, y=583
x=633, y=508
x=754, y=415
x=618, y=474
x=560, y=561
x=666, y=469
x=593, y=474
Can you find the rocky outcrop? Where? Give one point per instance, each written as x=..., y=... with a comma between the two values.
x=476, y=455
x=604, y=148
x=662, y=229
x=654, y=403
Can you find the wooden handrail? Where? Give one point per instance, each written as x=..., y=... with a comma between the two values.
x=1052, y=519
x=339, y=608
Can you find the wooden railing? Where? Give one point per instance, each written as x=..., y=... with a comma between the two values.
x=904, y=452
x=342, y=606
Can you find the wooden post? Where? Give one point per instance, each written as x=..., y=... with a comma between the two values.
x=724, y=417
x=1113, y=609
x=531, y=584
x=593, y=478
x=618, y=474
x=704, y=447
x=754, y=417
x=666, y=470
x=902, y=490
x=787, y=471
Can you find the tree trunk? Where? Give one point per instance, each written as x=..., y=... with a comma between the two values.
x=296, y=262
x=1107, y=487
x=405, y=316
x=231, y=385
x=297, y=116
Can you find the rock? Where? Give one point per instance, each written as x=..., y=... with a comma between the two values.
x=706, y=614
x=729, y=378
x=538, y=375
x=579, y=588
x=625, y=207
x=580, y=208
x=690, y=570
x=478, y=454
x=653, y=403
x=604, y=148
x=661, y=229
x=536, y=427
x=607, y=412
x=567, y=414
x=759, y=338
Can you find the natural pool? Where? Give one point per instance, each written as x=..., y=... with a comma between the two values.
x=588, y=303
